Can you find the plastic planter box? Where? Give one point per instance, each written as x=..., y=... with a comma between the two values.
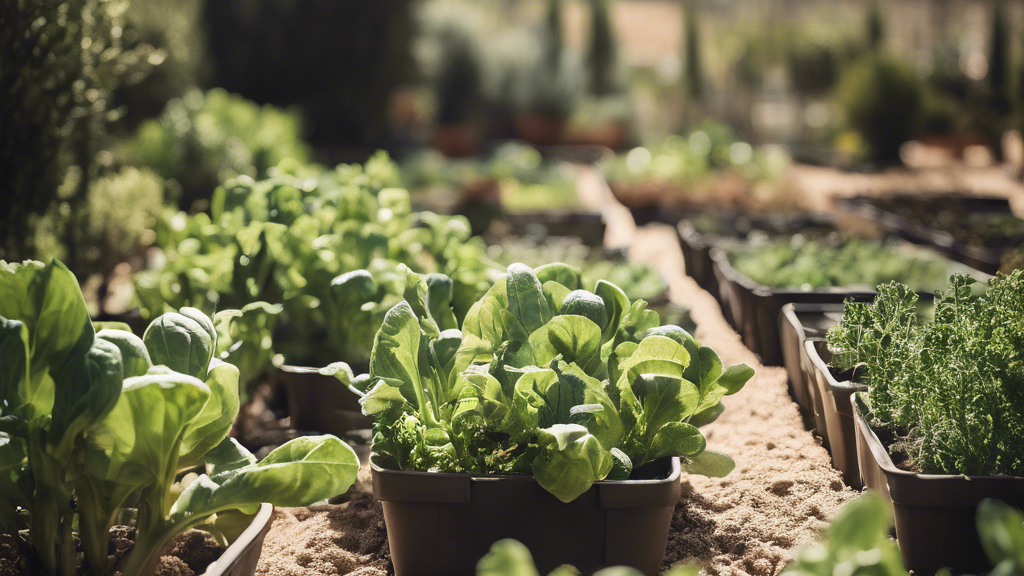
x=442, y=524
x=241, y=557
x=797, y=322
x=836, y=395
x=321, y=403
x=754, y=309
x=890, y=214
x=697, y=245
x=935, y=514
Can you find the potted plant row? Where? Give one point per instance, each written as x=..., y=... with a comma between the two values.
x=939, y=428
x=758, y=276
x=97, y=425
x=553, y=415
x=799, y=323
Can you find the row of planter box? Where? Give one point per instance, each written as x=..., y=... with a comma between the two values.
x=935, y=514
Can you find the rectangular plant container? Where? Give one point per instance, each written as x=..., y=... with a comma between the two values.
x=242, y=555
x=589, y=227
x=320, y=403
x=836, y=395
x=798, y=322
x=935, y=514
x=896, y=216
x=697, y=244
x=442, y=524
x=754, y=309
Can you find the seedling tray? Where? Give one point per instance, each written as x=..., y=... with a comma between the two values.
x=697, y=245
x=797, y=323
x=937, y=221
x=320, y=403
x=442, y=524
x=836, y=393
x=935, y=514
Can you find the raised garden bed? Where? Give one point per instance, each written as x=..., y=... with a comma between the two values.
x=973, y=230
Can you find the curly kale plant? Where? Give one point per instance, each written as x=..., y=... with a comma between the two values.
x=93, y=423
x=951, y=389
x=543, y=378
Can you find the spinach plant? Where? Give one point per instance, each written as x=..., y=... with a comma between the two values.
x=96, y=422
x=952, y=389
x=543, y=378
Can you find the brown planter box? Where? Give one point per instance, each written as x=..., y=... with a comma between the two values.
x=442, y=524
x=837, y=403
x=241, y=557
x=321, y=403
x=935, y=514
x=797, y=323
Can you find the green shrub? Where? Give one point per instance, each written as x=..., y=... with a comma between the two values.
x=202, y=139
x=59, y=62
x=951, y=390
x=881, y=97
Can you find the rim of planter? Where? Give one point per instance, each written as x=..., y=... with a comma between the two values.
x=721, y=257
x=937, y=490
x=455, y=488
x=843, y=386
x=244, y=552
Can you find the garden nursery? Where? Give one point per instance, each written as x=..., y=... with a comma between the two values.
x=511, y=287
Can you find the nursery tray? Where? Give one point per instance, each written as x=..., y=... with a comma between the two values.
x=836, y=394
x=935, y=514
x=320, y=403
x=240, y=558
x=797, y=323
x=697, y=245
x=896, y=216
x=442, y=524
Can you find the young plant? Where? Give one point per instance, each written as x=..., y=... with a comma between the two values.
x=951, y=389
x=245, y=338
x=93, y=423
x=543, y=378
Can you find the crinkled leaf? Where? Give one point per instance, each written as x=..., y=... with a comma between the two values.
x=135, y=359
x=526, y=299
x=180, y=343
x=711, y=464
x=227, y=456
x=676, y=439
x=570, y=461
x=564, y=274
x=213, y=424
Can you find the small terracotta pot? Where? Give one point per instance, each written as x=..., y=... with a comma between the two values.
x=456, y=140
x=540, y=129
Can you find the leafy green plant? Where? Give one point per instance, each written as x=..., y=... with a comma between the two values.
x=950, y=390
x=511, y=558
x=96, y=422
x=807, y=263
x=543, y=378
x=323, y=244
x=202, y=139
x=857, y=542
x=881, y=97
x=245, y=338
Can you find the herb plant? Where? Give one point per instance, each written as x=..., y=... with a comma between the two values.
x=543, y=378
x=951, y=390
x=93, y=423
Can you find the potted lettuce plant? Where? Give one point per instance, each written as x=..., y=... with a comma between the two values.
x=939, y=428
x=556, y=416
x=95, y=424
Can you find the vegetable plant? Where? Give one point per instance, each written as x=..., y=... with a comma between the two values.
x=96, y=422
x=543, y=378
x=808, y=262
x=950, y=390
x=511, y=558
